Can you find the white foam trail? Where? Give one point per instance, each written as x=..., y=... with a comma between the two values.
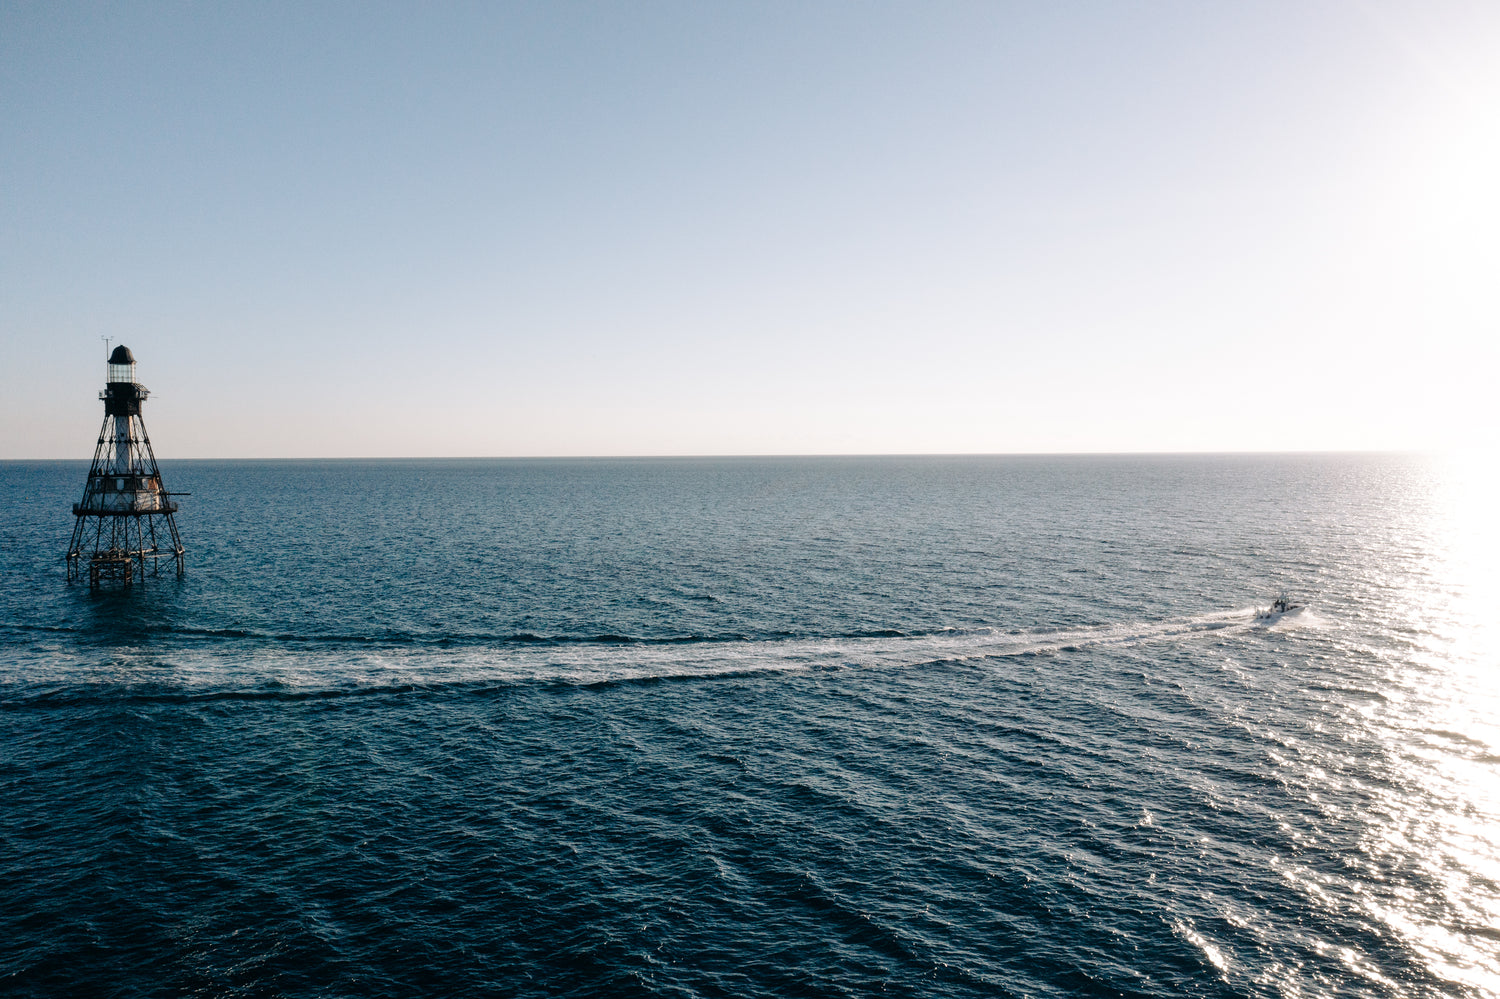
x=604, y=663
x=312, y=668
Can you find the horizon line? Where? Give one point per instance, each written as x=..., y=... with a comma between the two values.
x=793, y=454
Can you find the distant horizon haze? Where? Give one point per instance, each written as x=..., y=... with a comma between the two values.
x=1434, y=454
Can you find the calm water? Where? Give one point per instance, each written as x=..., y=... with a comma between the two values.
x=760, y=727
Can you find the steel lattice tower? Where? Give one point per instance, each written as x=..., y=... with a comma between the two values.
x=125, y=516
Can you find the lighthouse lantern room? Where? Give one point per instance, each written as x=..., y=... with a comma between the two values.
x=125, y=517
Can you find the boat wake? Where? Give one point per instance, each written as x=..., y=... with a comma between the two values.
x=283, y=670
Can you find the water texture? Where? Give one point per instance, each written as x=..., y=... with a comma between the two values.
x=759, y=727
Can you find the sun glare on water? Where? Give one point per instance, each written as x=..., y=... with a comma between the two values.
x=1444, y=739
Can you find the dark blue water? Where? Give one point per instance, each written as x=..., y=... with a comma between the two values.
x=758, y=727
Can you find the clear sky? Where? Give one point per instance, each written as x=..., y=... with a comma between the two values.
x=751, y=227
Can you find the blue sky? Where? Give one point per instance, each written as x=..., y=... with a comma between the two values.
x=687, y=228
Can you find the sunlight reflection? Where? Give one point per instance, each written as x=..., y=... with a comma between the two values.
x=1445, y=740
x=1467, y=527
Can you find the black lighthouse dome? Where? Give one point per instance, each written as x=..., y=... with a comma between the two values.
x=121, y=366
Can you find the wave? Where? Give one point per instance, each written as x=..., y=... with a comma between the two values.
x=385, y=636
x=307, y=667
x=397, y=638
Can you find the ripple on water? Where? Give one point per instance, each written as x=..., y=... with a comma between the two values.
x=943, y=727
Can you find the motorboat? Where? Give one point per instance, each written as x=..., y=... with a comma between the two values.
x=1281, y=605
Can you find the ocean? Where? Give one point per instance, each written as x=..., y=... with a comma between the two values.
x=937, y=726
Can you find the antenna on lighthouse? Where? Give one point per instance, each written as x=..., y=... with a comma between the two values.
x=125, y=516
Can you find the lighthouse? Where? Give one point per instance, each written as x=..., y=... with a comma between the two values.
x=125, y=517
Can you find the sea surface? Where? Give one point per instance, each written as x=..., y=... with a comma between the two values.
x=971, y=726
